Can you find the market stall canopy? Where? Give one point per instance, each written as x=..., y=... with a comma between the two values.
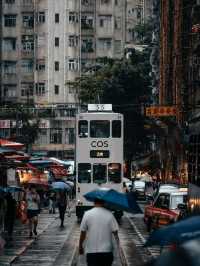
x=10, y=144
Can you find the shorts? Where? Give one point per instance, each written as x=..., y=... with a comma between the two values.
x=100, y=259
x=32, y=213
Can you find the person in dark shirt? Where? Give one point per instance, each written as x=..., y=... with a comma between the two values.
x=10, y=214
x=62, y=205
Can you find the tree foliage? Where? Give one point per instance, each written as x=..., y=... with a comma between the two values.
x=28, y=125
x=124, y=83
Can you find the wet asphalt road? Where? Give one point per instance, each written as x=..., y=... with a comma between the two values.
x=58, y=247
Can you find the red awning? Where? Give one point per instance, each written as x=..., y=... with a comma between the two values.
x=59, y=171
x=38, y=181
x=10, y=144
x=17, y=157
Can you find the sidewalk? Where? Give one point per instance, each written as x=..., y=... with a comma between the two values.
x=21, y=240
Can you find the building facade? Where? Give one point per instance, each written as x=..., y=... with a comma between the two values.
x=46, y=44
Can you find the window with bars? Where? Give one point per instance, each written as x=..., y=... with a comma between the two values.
x=9, y=67
x=41, y=17
x=56, y=135
x=40, y=88
x=73, y=41
x=27, y=43
x=9, y=44
x=10, y=20
x=104, y=44
x=87, y=22
x=73, y=17
x=40, y=65
x=87, y=45
x=70, y=136
x=73, y=64
x=9, y=90
x=28, y=20
x=9, y=1
x=26, y=89
x=105, y=21
x=27, y=65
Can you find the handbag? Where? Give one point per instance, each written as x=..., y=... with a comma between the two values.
x=23, y=212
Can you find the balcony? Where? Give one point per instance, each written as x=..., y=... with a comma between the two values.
x=10, y=78
x=27, y=5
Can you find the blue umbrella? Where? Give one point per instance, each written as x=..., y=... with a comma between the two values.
x=176, y=233
x=114, y=199
x=13, y=189
x=60, y=186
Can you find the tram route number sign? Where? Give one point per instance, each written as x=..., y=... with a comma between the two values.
x=99, y=154
x=161, y=111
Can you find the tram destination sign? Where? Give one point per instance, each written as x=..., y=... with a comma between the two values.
x=99, y=107
x=99, y=154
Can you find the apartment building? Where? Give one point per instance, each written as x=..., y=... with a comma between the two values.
x=46, y=44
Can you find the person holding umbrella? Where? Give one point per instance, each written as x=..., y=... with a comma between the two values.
x=99, y=225
x=62, y=205
x=33, y=209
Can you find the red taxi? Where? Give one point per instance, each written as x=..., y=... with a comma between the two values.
x=164, y=209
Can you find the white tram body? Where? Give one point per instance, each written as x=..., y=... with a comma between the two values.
x=99, y=152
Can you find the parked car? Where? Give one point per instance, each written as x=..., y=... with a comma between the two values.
x=139, y=189
x=166, y=208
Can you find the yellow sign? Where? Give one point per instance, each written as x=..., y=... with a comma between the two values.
x=161, y=111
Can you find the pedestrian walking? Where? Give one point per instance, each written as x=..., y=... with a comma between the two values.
x=33, y=209
x=97, y=229
x=62, y=205
x=10, y=214
x=52, y=203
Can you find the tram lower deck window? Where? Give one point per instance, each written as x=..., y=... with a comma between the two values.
x=84, y=172
x=99, y=129
x=114, y=172
x=99, y=173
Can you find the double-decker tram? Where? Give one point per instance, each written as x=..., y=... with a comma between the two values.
x=99, y=152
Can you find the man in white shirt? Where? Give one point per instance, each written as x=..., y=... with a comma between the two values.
x=97, y=228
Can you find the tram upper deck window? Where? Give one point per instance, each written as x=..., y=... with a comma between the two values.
x=99, y=129
x=83, y=129
x=114, y=172
x=116, y=128
x=84, y=172
x=99, y=173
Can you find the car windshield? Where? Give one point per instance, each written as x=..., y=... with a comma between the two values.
x=177, y=199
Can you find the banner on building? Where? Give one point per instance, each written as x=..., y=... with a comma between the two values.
x=161, y=111
x=4, y=123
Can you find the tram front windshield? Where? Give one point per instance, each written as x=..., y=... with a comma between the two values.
x=99, y=129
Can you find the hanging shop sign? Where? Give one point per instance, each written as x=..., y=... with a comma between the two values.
x=161, y=111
